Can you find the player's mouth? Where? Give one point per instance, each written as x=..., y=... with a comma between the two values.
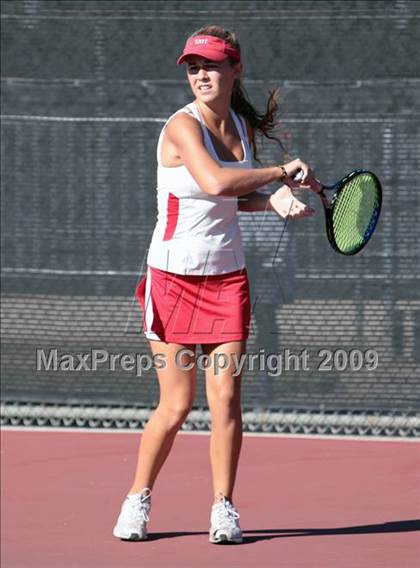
x=204, y=88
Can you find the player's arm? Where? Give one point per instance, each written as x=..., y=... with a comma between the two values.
x=185, y=133
x=257, y=200
x=282, y=201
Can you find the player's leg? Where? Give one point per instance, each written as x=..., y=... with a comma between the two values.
x=177, y=389
x=224, y=398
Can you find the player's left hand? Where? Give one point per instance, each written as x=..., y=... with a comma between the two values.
x=286, y=204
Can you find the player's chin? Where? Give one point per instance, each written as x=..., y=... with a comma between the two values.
x=206, y=93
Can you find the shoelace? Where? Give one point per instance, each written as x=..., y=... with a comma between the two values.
x=141, y=504
x=227, y=514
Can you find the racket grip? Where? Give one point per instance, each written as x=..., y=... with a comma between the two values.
x=298, y=177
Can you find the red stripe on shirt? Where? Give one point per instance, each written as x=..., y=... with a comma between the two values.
x=171, y=216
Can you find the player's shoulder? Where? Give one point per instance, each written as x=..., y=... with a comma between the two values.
x=182, y=122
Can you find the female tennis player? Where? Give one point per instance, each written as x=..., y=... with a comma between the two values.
x=196, y=290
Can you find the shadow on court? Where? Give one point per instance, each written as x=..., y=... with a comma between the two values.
x=268, y=534
x=391, y=527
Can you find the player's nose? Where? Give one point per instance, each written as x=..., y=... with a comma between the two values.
x=202, y=73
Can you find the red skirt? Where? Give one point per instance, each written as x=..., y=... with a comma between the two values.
x=193, y=309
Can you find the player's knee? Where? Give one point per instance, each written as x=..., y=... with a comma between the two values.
x=225, y=397
x=175, y=412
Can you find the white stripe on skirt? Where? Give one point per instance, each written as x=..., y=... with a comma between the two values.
x=149, y=315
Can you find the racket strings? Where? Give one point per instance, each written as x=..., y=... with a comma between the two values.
x=346, y=212
x=355, y=212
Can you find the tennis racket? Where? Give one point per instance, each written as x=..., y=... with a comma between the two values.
x=351, y=214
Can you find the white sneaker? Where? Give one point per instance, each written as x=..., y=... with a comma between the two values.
x=224, y=523
x=132, y=522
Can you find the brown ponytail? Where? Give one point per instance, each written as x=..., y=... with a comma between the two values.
x=263, y=124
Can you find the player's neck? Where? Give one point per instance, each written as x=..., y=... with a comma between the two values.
x=216, y=115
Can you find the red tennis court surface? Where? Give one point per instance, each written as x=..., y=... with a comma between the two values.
x=316, y=503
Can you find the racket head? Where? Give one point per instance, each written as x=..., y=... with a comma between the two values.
x=354, y=211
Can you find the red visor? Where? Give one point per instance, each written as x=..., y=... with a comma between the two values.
x=210, y=47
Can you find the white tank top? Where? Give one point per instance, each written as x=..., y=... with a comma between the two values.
x=197, y=233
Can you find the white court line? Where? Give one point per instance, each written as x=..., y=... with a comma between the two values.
x=23, y=270
x=80, y=118
x=206, y=433
x=313, y=119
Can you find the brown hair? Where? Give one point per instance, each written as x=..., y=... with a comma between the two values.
x=264, y=124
